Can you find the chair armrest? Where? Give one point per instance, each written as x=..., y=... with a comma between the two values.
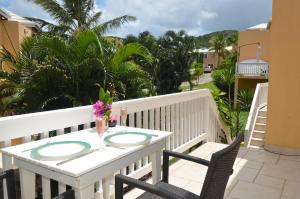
x=9, y=176
x=6, y=174
x=69, y=194
x=121, y=179
x=186, y=157
x=167, y=154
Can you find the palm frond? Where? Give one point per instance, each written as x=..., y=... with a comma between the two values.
x=85, y=39
x=55, y=10
x=125, y=52
x=93, y=19
x=6, y=56
x=114, y=23
x=54, y=45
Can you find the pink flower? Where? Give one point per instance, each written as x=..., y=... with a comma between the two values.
x=113, y=118
x=98, y=109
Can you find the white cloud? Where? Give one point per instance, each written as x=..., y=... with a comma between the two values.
x=208, y=15
x=195, y=16
x=157, y=16
x=26, y=8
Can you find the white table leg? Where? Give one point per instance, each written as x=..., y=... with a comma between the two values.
x=27, y=180
x=105, y=186
x=156, y=166
x=46, y=188
x=85, y=193
x=7, y=164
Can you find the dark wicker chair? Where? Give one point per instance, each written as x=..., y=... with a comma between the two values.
x=9, y=176
x=220, y=167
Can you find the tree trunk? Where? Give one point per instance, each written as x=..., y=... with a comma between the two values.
x=229, y=94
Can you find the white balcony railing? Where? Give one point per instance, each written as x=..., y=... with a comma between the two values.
x=252, y=69
x=192, y=117
x=260, y=99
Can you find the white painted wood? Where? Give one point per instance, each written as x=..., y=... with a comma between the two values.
x=105, y=186
x=74, y=128
x=26, y=139
x=139, y=119
x=168, y=118
x=156, y=166
x=193, y=142
x=157, y=119
x=151, y=119
x=176, y=112
x=60, y=131
x=7, y=143
x=163, y=118
x=194, y=108
x=177, y=126
x=181, y=122
x=78, y=175
x=259, y=99
x=52, y=120
x=44, y=135
x=6, y=164
x=131, y=119
x=85, y=193
x=27, y=181
x=185, y=125
x=145, y=125
x=46, y=188
x=61, y=187
x=86, y=125
x=145, y=119
x=172, y=119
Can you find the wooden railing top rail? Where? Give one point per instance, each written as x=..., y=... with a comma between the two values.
x=259, y=99
x=24, y=125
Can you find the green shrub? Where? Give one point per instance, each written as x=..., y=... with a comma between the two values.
x=217, y=78
x=197, y=70
x=245, y=97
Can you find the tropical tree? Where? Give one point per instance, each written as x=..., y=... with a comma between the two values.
x=54, y=72
x=245, y=97
x=232, y=40
x=72, y=16
x=218, y=44
x=149, y=41
x=228, y=77
x=175, y=61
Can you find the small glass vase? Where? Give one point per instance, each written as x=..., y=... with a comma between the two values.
x=100, y=126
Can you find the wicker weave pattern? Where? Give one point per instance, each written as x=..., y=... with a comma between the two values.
x=219, y=171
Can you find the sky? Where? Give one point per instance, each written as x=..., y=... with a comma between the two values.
x=197, y=17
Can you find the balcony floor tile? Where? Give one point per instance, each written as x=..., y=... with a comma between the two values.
x=257, y=174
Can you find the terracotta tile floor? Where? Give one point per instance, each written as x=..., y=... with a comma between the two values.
x=258, y=174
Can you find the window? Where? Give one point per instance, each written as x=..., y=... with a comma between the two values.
x=205, y=56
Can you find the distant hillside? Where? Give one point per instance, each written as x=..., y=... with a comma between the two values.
x=203, y=40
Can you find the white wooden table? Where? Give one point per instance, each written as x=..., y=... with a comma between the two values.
x=84, y=172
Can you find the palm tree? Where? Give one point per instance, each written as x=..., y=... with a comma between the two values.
x=72, y=16
x=228, y=77
x=233, y=40
x=218, y=44
x=55, y=72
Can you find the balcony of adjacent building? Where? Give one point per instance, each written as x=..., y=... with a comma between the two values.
x=252, y=69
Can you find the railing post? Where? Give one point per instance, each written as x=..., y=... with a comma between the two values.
x=207, y=118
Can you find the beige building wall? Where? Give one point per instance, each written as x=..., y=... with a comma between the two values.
x=12, y=33
x=211, y=58
x=283, y=123
x=250, y=51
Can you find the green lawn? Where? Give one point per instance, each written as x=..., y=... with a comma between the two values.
x=210, y=85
